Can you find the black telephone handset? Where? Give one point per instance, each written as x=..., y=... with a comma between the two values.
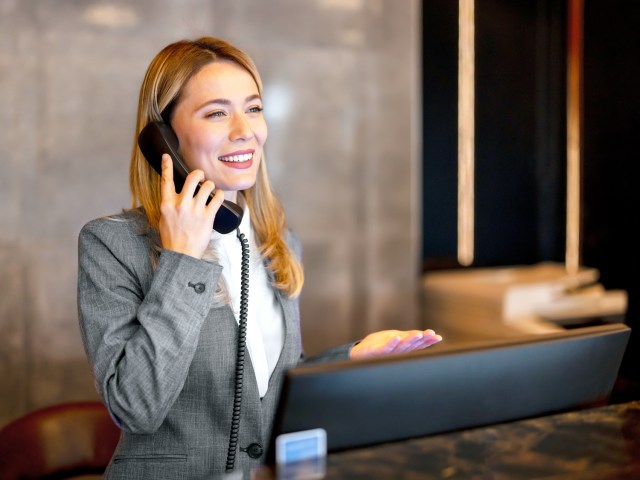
x=158, y=138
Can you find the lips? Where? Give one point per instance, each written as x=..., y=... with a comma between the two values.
x=241, y=159
x=236, y=158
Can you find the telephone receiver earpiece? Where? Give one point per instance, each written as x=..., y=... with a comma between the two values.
x=158, y=138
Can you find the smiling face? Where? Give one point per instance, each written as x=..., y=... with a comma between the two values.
x=219, y=124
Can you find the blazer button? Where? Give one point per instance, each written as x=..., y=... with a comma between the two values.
x=255, y=450
x=198, y=287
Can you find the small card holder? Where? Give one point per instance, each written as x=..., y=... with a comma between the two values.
x=301, y=455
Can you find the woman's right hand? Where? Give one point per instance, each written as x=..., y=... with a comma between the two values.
x=186, y=221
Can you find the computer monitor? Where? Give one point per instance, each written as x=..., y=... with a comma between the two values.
x=442, y=389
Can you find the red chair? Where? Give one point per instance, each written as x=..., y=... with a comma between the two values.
x=58, y=442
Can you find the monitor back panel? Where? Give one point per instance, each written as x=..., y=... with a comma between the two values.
x=433, y=391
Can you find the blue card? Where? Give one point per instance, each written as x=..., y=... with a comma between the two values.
x=301, y=454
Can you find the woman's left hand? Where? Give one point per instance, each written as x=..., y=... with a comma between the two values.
x=386, y=342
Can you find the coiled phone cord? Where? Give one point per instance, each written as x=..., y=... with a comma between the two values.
x=242, y=336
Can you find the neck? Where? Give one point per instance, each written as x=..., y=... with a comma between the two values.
x=232, y=196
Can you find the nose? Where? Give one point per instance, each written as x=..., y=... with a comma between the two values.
x=240, y=129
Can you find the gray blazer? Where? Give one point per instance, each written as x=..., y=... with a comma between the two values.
x=163, y=356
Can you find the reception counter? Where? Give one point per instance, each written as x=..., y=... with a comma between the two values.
x=597, y=443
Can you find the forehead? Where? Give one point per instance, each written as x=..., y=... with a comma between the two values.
x=220, y=79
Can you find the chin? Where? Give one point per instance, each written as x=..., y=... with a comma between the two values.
x=238, y=186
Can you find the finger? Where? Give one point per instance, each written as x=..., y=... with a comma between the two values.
x=427, y=341
x=431, y=341
x=390, y=345
x=409, y=342
x=167, y=188
x=205, y=189
x=191, y=183
x=410, y=336
x=417, y=340
x=216, y=201
x=431, y=337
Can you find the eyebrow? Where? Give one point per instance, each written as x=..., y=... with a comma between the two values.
x=225, y=101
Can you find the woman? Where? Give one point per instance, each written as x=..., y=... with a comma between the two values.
x=159, y=292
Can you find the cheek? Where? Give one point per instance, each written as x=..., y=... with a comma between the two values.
x=261, y=132
x=199, y=146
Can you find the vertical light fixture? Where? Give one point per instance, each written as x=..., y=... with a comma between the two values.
x=466, y=131
x=574, y=127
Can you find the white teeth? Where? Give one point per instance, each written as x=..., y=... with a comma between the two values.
x=237, y=158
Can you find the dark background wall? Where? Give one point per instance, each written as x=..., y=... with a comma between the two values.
x=521, y=140
x=520, y=124
x=611, y=158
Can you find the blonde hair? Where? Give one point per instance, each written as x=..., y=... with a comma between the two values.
x=164, y=81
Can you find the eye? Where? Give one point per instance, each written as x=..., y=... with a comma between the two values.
x=255, y=109
x=217, y=113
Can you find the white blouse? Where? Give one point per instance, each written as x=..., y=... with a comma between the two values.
x=265, y=322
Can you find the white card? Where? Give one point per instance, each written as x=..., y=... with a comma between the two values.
x=300, y=446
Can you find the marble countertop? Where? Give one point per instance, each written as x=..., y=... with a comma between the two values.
x=598, y=443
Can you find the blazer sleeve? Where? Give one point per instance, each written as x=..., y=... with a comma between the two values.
x=334, y=354
x=140, y=338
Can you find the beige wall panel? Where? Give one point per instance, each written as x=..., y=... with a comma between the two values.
x=340, y=98
x=57, y=369
x=14, y=354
